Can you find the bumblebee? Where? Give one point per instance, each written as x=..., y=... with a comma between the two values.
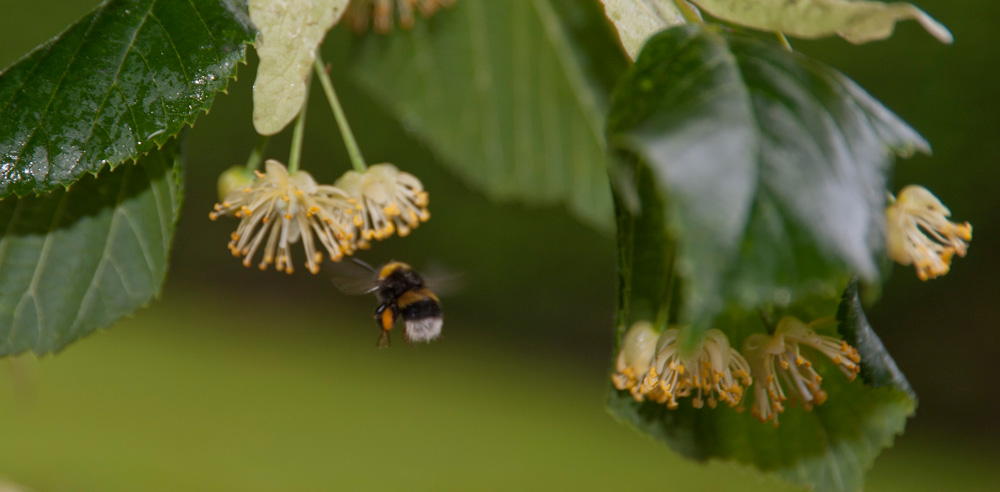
x=402, y=293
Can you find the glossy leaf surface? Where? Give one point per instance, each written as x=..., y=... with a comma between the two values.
x=117, y=84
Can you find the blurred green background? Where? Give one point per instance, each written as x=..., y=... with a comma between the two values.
x=238, y=380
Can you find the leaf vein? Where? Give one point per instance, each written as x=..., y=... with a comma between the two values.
x=93, y=288
x=28, y=77
x=143, y=246
x=114, y=80
x=156, y=83
x=43, y=259
x=483, y=82
x=55, y=91
x=211, y=35
x=173, y=45
x=160, y=203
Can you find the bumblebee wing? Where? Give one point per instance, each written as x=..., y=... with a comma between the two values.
x=442, y=280
x=354, y=286
x=354, y=278
x=446, y=285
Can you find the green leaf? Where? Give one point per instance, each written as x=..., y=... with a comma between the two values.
x=774, y=166
x=877, y=367
x=73, y=261
x=511, y=94
x=643, y=293
x=827, y=449
x=857, y=21
x=115, y=85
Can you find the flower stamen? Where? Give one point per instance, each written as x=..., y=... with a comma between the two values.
x=919, y=232
x=278, y=210
x=782, y=350
x=715, y=372
x=388, y=201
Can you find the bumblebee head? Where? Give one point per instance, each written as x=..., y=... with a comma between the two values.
x=392, y=267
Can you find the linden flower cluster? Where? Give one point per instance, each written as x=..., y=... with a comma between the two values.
x=779, y=356
x=389, y=201
x=650, y=367
x=278, y=209
x=919, y=232
x=378, y=13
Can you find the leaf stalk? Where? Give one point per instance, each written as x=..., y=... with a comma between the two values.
x=338, y=112
x=257, y=154
x=295, y=154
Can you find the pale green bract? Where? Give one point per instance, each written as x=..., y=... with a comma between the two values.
x=856, y=21
x=637, y=20
x=290, y=33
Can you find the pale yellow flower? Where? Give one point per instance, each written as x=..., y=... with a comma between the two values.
x=278, y=210
x=779, y=356
x=650, y=367
x=713, y=372
x=635, y=358
x=388, y=201
x=919, y=232
x=379, y=13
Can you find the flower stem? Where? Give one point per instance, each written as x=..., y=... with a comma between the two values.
x=764, y=318
x=338, y=112
x=295, y=154
x=257, y=155
x=690, y=14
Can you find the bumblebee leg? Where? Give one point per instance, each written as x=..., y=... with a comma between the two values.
x=385, y=318
x=383, y=340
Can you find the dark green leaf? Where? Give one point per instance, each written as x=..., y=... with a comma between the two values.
x=511, y=94
x=828, y=448
x=118, y=83
x=877, y=367
x=75, y=261
x=643, y=293
x=773, y=164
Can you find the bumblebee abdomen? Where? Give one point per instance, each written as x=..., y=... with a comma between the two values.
x=425, y=308
x=421, y=313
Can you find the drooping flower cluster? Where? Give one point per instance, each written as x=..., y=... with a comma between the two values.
x=919, y=232
x=651, y=367
x=278, y=210
x=389, y=201
x=378, y=13
x=778, y=364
